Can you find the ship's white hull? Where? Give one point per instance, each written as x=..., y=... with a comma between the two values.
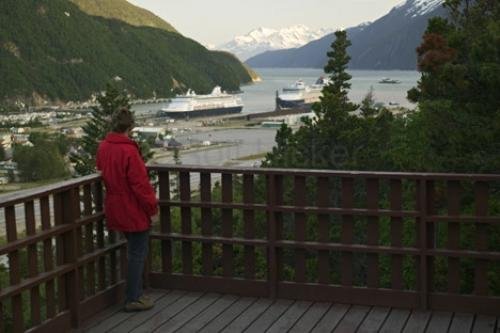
x=202, y=112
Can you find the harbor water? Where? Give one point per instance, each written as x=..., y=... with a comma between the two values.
x=260, y=96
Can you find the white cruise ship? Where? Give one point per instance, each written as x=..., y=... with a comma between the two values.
x=192, y=105
x=300, y=95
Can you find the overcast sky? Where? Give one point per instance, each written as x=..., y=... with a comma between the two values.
x=217, y=21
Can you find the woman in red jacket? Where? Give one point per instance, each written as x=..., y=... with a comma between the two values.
x=130, y=200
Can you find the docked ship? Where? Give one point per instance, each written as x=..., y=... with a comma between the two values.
x=192, y=105
x=300, y=95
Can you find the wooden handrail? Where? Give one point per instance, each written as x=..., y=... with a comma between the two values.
x=10, y=199
x=322, y=173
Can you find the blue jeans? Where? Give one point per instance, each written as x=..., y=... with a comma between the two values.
x=137, y=253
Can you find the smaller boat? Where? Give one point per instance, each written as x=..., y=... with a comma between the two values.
x=387, y=80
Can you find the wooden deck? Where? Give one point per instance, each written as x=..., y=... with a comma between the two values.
x=180, y=311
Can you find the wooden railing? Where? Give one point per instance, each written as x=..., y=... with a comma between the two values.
x=63, y=266
x=429, y=241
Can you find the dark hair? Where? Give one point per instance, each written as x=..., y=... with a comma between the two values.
x=122, y=120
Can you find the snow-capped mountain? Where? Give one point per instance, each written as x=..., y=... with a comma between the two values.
x=265, y=39
x=416, y=8
x=387, y=43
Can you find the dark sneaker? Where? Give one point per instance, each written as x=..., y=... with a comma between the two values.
x=142, y=304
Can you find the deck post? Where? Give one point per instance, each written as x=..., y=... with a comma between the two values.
x=271, y=227
x=69, y=200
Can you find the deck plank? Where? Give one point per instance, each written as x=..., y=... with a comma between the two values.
x=116, y=315
x=268, y=317
x=248, y=316
x=290, y=317
x=462, y=322
x=208, y=314
x=352, y=319
x=98, y=319
x=182, y=311
x=396, y=321
x=374, y=320
x=188, y=313
x=417, y=322
x=439, y=322
x=310, y=317
x=138, y=318
x=484, y=324
x=168, y=312
x=218, y=323
x=331, y=318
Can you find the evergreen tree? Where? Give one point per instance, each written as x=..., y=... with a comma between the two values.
x=335, y=100
x=281, y=154
x=326, y=141
x=459, y=116
x=337, y=138
x=97, y=127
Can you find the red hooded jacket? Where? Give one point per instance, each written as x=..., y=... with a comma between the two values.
x=130, y=199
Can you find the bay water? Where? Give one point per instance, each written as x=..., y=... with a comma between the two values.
x=261, y=96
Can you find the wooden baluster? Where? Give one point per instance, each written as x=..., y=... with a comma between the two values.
x=48, y=259
x=14, y=270
x=58, y=220
x=273, y=253
x=347, y=234
x=29, y=213
x=206, y=222
x=427, y=239
x=418, y=197
x=89, y=239
x=227, y=225
x=112, y=237
x=279, y=192
x=249, y=225
x=70, y=202
x=372, y=193
x=2, y=315
x=481, y=287
x=101, y=264
x=165, y=222
x=77, y=214
x=453, y=243
x=300, y=229
x=186, y=229
x=396, y=234
x=323, y=230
